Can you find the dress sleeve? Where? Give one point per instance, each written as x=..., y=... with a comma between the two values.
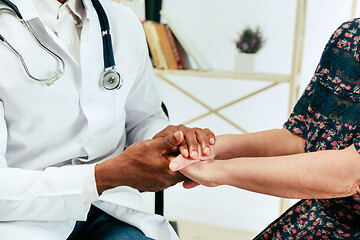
x=357, y=144
x=297, y=122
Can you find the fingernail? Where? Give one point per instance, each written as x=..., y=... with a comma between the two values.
x=186, y=152
x=212, y=141
x=173, y=166
x=177, y=135
x=207, y=151
x=194, y=154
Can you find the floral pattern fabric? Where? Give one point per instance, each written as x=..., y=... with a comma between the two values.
x=327, y=116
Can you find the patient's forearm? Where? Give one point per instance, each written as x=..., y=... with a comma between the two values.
x=325, y=174
x=276, y=142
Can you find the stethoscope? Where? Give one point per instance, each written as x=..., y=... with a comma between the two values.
x=110, y=78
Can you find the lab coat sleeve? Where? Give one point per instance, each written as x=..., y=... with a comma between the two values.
x=54, y=194
x=145, y=116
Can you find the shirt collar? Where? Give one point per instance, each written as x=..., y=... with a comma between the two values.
x=77, y=7
x=28, y=10
x=48, y=12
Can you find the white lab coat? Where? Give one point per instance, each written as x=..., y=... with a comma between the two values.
x=43, y=130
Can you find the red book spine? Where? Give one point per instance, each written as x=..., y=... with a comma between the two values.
x=174, y=47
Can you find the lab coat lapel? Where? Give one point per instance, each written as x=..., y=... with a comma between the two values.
x=49, y=39
x=46, y=36
x=91, y=46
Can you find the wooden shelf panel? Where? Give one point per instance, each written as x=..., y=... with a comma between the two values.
x=278, y=78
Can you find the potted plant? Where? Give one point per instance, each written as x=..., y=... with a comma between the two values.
x=250, y=41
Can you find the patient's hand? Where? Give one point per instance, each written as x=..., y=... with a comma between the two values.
x=180, y=163
x=199, y=171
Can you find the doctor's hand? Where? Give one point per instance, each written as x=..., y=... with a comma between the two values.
x=141, y=166
x=196, y=141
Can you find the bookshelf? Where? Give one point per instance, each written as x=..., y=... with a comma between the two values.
x=275, y=79
x=293, y=79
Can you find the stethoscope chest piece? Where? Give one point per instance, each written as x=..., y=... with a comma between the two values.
x=111, y=79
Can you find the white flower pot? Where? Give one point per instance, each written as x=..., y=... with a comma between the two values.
x=245, y=62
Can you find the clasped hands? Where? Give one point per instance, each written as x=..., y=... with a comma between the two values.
x=200, y=171
x=145, y=165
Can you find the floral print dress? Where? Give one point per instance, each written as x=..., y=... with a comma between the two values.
x=327, y=116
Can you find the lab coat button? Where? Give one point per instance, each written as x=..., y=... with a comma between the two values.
x=68, y=42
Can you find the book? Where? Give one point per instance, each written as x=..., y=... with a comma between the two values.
x=175, y=48
x=150, y=40
x=185, y=41
x=184, y=56
x=166, y=47
x=159, y=60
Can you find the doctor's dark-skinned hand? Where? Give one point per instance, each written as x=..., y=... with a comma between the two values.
x=141, y=166
x=196, y=140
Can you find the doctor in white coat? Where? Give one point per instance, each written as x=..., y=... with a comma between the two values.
x=61, y=146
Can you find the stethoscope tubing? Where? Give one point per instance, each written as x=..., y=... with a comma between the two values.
x=111, y=79
x=58, y=73
x=108, y=52
x=104, y=24
x=13, y=7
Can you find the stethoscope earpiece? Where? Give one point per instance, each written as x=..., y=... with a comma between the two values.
x=111, y=79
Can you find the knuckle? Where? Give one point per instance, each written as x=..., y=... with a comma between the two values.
x=189, y=130
x=172, y=127
x=179, y=127
x=199, y=132
x=191, y=141
x=171, y=146
x=147, y=144
x=167, y=141
x=208, y=131
x=167, y=129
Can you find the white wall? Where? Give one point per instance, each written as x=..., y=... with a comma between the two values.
x=214, y=25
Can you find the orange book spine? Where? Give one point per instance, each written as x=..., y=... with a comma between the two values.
x=166, y=47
